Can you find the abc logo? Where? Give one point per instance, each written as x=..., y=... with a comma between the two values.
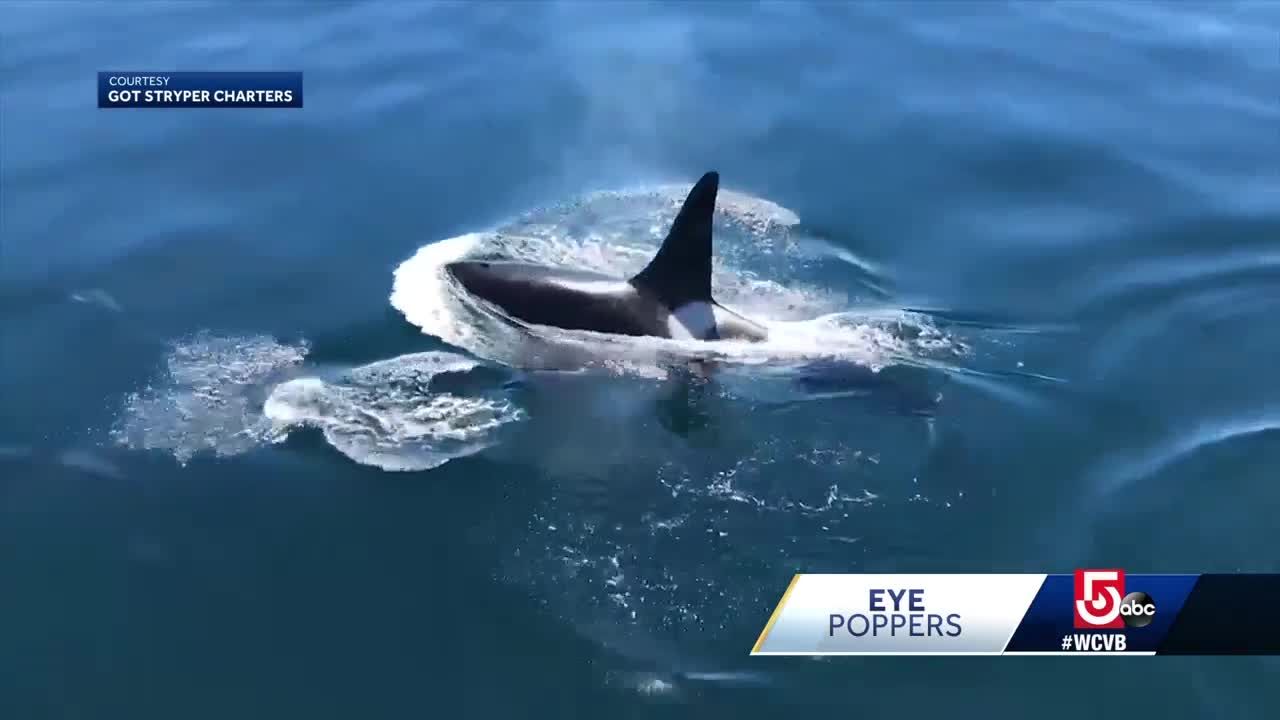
x=1137, y=610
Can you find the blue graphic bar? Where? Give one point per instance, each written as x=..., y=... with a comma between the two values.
x=1210, y=614
x=199, y=89
x=1051, y=619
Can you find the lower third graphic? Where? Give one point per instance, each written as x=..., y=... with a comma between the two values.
x=1087, y=613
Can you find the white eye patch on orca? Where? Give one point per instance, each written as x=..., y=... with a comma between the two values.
x=693, y=321
x=600, y=287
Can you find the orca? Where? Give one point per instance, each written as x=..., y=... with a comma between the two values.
x=669, y=298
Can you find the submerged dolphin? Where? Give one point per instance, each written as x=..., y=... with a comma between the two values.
x=670, y=298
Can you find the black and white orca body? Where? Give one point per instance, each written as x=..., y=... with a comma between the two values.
x=670, y=298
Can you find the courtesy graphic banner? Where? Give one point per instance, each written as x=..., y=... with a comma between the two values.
x=1089, y=612
x=171, y=89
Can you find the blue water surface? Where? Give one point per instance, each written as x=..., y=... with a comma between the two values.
x=237, y=480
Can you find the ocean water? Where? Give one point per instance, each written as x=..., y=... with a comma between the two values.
x=1021, y=262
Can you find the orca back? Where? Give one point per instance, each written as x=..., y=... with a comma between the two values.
x=670, y=297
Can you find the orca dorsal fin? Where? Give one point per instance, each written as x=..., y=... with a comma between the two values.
x=681, y=271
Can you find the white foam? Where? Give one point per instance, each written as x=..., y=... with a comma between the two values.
x=208, y=399
x=385, y=415
x=211, y=400
x=421, y=288
x=615, y=233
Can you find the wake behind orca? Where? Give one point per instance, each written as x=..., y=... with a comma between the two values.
x=669, y=298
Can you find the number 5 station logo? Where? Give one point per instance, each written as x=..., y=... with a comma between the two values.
x=1101, y=603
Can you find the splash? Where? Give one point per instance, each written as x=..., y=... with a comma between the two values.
x=386, y=415
x=209, y=397
x=225, y=396
x=615, y=233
